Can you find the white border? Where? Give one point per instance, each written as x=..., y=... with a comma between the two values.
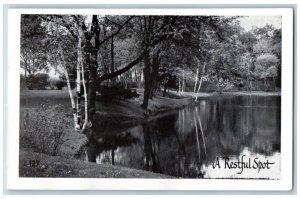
x=16, y=183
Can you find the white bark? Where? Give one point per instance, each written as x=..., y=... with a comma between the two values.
x=65, y=71
x=69, y=89
x=196, y=81
x=80, y=67
x=85, y=99
x=78, y=70
x=201, y=79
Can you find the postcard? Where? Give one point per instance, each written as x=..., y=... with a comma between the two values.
x=150, y=99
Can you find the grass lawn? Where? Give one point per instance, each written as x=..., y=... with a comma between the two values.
x=55, y=166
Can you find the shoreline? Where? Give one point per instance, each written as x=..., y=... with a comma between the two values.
x=124, y=114
x=234, y=93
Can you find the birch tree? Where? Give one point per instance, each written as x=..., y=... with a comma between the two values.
x=79, y=73
x=200, y=83
x=59, y=45
x=196, y=79
x=61, y=42
x=63, y=66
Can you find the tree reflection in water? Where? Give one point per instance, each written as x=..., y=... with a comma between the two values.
x=181, y=142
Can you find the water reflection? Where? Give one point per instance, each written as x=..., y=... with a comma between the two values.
x=185, y=142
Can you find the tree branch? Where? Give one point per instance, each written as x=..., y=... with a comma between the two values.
x=113, y=22
x=123, y=70
x=117, y=32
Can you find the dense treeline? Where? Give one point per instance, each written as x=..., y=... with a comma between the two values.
x=156, y=53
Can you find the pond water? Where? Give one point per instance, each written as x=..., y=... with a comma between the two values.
x=186, y=143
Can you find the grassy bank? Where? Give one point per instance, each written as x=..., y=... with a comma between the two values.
x=56, y=166
x=129, y=113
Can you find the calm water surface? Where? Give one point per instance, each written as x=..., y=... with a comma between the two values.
x=183, y=143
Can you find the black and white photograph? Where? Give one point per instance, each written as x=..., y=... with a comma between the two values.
x=151, y=96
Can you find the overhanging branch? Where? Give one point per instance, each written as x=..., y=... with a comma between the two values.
x=123, y=70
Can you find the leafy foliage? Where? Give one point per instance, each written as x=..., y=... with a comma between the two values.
x=266, y=64
x=174, y=45
x=33, y=51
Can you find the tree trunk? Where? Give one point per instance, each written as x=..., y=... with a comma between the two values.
x=147, y=80
x=196, y=80
x=183, y=84
x=247, y=83
x=113, y=157
x=105, y=55
x=85, y=99
x=78, y=80
x=135, y=75
x=147, y=65
x=92, y=91
x=69, y=89
x=154, y=75
x=93, y=65
x=203, y=69
x=71, y=98
x=165, y=90
x=265, y=84
x=25, y=66
x=179, y=86
x=112, y=57
x=33, y=66
x=256, y=84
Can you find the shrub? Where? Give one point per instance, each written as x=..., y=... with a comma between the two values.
x=60, y=84
x=38, y=81
x=44, y=128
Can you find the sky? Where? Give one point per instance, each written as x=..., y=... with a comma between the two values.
x=259, y=21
